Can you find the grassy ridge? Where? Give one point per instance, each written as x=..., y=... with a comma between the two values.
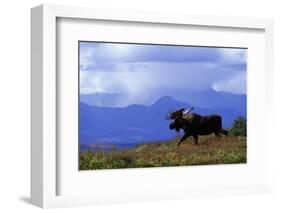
x=211, y=150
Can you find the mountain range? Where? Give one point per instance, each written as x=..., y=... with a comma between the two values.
x=208, y=98
x=138, y=123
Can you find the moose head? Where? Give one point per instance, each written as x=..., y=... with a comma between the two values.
x=177, y=118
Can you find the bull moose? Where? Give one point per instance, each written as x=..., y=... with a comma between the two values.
x=195, y=124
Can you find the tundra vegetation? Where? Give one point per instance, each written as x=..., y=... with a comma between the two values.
x=210, y=150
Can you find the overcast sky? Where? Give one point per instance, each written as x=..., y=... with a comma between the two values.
x=143, y=73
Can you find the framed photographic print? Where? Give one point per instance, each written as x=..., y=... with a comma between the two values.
x=132, y=94
x=130, y=106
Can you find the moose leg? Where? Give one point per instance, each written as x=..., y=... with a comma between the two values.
x=183, y=138
x=217, y=134
x=223, y=131
x=195, y=137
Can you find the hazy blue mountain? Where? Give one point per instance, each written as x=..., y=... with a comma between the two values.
x=136, y=123
x=208, y=98
x=101, y=99
x=212, y=99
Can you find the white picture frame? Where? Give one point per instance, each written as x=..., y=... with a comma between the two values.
x=44, y=153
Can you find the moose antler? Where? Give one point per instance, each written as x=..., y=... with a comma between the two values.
x=169, y=115
x=187, y=111
x=174, y=114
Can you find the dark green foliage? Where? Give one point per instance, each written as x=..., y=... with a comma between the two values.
x=211, y=150
x=239, y=127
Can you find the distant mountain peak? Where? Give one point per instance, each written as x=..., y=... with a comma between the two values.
x=165, y=99
x=168, y=102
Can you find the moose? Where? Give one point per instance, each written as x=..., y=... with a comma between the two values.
x=195, y=124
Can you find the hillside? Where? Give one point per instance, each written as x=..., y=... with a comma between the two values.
x=211, y=150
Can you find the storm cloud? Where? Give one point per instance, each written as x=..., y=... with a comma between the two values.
x=142, y=73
